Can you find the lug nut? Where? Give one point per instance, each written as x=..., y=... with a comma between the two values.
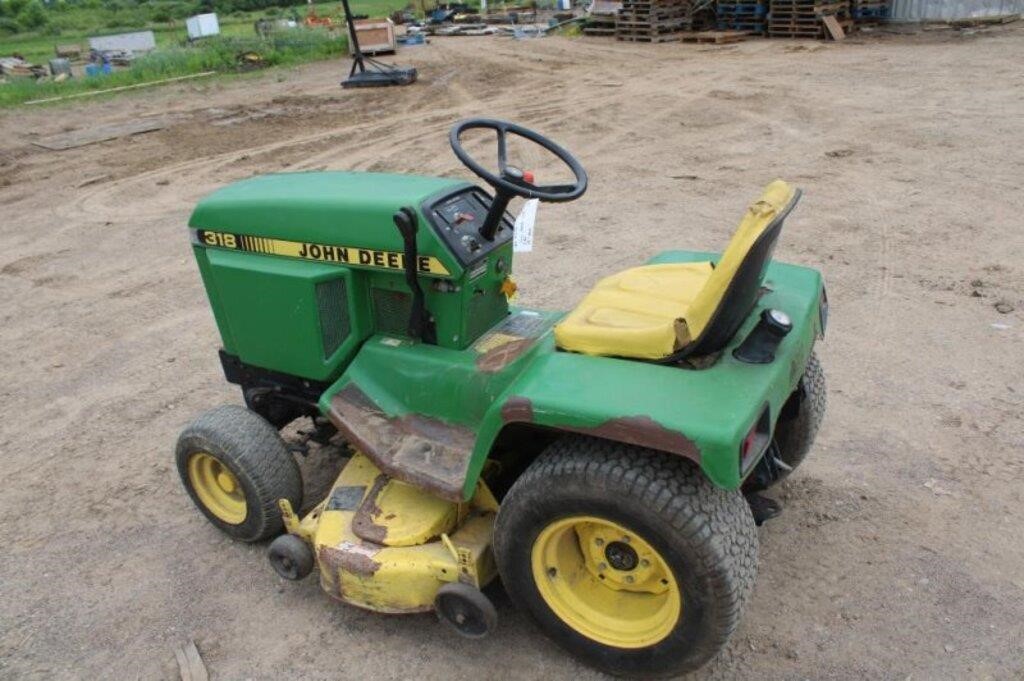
x=644, y=562
x=602, y=566
x=629, y=579
x=599, y=541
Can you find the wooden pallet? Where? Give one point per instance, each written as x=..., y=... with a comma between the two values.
x=869, y=12
x=808, y=5
x=787, y=14
x=652, y=21
x=716, y=37
x=816, y=34
x=643, y=23
x=749, y=27
x=663, y=4
x=667, y=38
x=805, y=18
x=784, y=7
x=647, y=32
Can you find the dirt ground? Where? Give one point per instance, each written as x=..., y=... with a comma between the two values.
x=900, y=554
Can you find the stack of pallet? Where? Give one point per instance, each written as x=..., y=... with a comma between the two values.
x=869, y=12
x=601, y=17
x=652, y=21
x=806, y=18
x=746, y=16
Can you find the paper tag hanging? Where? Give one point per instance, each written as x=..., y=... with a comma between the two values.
x=522, y=237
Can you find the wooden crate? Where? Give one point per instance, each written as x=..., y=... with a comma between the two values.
x=376, y=36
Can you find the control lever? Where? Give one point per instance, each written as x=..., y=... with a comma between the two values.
x=421, y=326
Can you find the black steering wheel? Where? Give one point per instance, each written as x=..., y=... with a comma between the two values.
x=511, y=181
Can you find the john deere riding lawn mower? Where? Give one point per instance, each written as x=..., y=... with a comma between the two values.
x=606, y=463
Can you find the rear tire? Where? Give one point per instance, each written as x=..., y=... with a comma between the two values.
x=235, y=466
x=801, y=417
x=695, y=539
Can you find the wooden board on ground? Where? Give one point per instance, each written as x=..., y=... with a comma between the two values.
x=717, y=37
x=190, y=664
x=833, y=27
x=81, y=138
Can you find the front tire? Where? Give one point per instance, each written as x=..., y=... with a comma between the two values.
x=626, y=557
x=235, y=466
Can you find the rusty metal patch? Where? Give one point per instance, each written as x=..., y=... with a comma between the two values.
x=362, y=522
x=507, y=341
x=349, y=557
x=422, y=451
x=643, y=431
x=517, y=409
x=498, y=358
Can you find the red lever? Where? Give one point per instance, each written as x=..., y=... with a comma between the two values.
x=528, y=176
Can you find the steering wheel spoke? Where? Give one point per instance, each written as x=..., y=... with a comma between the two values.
x=502, y=152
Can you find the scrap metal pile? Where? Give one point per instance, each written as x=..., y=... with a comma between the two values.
x=16, y=67
x=457, y=19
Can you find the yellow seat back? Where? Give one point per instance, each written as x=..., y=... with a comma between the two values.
x=732, y=289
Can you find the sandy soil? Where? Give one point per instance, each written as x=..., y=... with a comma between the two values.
x=901, y=551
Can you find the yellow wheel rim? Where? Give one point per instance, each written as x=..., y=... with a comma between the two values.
x=606, y=582
x=217, y=488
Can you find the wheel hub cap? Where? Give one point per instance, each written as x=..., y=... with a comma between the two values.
x=217, y=488
x=621, y=556
x=606, y=582
x=226, y=482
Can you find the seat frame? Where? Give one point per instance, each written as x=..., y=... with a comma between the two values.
x=740, y=295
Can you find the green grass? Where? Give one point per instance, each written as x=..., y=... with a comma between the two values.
x=213, y=54
x=77, y=25
x=174, y=56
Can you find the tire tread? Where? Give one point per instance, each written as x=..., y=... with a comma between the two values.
x=715, y=521
x=256, y=449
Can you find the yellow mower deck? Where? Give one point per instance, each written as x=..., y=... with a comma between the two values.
x=383, y=545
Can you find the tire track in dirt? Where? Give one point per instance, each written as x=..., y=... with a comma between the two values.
x=359, y=145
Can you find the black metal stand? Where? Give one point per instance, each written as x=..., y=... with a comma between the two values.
x=378, y=74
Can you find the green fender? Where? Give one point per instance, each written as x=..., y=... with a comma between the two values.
x=431, y=415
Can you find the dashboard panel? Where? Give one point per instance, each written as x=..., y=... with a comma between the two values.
x=457, y=219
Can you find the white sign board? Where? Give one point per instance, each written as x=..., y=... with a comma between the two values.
x=522, y=237
x=140, y=41
x=202, y=25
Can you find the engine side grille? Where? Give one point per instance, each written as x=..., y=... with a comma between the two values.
x=332, y=301
x=391, y=311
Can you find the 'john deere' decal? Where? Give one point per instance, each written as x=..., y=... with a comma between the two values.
x=346, y=255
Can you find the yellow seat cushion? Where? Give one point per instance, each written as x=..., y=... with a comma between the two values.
x=635, y=313
x=652, y=311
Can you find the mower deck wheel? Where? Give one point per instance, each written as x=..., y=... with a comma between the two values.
x=466, y=610
x=291, y=557
x=235, y=466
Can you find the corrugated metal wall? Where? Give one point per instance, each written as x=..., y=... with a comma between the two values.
x=948, y=10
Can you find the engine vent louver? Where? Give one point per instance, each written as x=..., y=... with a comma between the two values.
x=332, y=301
x=391, y=311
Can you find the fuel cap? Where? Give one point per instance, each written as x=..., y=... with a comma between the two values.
x=777, y=321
